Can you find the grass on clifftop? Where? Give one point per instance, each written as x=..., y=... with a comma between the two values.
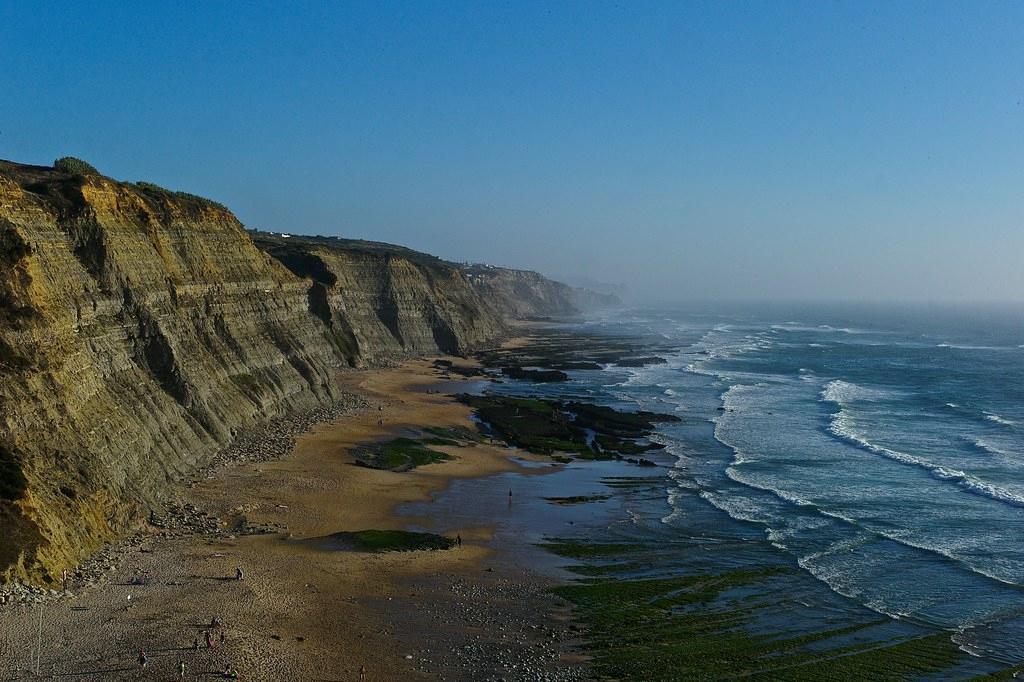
x=155, y=190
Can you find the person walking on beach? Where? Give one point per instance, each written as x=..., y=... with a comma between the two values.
x=181, y=670
x=143, y=658
x=362, y=673
x=223, y=638
x=239, y=574
x=209, y=639
x=458, y=540
x=195, y=644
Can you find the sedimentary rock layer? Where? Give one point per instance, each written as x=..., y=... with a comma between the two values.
x=523, y=294
x=386, y=299
x=140, y=329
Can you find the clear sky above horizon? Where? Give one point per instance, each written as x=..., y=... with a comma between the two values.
x=823, y=150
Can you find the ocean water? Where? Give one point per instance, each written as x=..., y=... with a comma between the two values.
x=879, y=448
x=878, y=452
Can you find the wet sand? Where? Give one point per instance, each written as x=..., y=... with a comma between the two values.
x=303, y=612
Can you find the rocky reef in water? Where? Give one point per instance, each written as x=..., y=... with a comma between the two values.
x=141, y=330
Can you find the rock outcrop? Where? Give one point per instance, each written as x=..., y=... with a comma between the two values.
x=141, y=329
x=588, y=299
x=385, y=299
x=524, y=295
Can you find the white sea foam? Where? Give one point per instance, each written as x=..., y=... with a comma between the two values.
x=998, y=420
x=841, y=428
x=836, y=576
x=826, y=328
x=682, y=483
x=987, y=446
x=736, y=506
x=960, y=639
x=966, y=481
x=738, y=476
x=719, y=344
x=844, y=392
x=749, y=510
x=959, y=346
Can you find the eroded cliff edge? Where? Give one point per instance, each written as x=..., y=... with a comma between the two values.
x=140, y=329
x=525, y=295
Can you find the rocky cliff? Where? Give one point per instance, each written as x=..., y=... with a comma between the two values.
x=386, y=299
x=140, y=329
x=523, y=294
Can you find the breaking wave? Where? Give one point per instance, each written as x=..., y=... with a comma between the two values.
x=841, y=429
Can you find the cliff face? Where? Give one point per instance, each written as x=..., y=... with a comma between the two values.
x=140, y=329
x=523, y=294
x=386, y=299
x=588, y=299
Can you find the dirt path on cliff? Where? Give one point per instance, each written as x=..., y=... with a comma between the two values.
x=303, y=612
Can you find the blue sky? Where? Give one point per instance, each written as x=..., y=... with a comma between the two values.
x=692, y=150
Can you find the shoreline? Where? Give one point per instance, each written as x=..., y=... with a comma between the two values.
x=305, y=612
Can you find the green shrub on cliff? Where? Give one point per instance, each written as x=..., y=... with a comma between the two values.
x=153, y=189
x=70, y=164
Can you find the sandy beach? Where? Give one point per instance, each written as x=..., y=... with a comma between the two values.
x=303, y=611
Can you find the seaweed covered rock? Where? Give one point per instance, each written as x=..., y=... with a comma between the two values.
x=582, y=429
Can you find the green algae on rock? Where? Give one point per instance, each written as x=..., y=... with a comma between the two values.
x=400, y=454
x=551, y=426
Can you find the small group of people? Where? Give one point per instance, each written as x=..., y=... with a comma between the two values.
x=210, y=641
x=229, y=673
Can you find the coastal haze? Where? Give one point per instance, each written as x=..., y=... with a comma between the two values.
x=709, y=151
x=512, y=342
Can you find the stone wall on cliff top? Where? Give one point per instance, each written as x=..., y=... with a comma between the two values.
x=141, y=329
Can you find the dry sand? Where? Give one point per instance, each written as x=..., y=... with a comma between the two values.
x=303, y=612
